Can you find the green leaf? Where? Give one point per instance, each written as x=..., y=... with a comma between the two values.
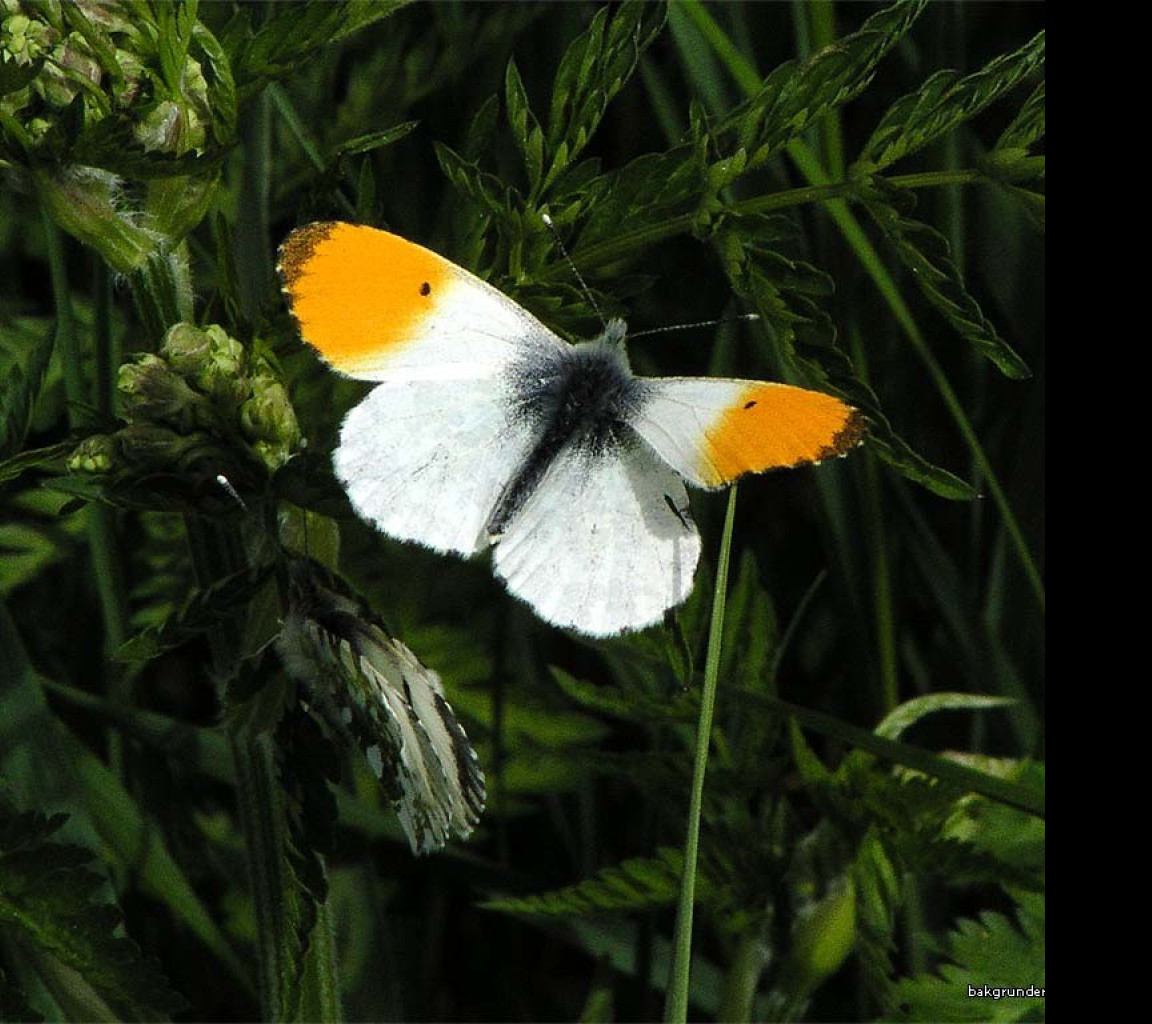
x=1027, y=128
x=926, y=253
x=204, y=611
x=798, y=94
x=52, y=900
x=482, y=188
x=525, y=128
x=910, y=712
x=944, y=101
x=20, y=390
x=635, y=884
x=990, y=952
x=595, y=67
x=374, y=140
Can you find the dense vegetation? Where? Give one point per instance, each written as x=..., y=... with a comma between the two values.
x=183, y=833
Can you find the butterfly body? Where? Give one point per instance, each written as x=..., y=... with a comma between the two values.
x=486, y=429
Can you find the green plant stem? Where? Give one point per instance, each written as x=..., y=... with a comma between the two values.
x=676, y=1007
x=626, y=243
x=102, y=547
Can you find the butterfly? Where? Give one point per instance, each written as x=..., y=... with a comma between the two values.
x=487, y=430
x=371, y=688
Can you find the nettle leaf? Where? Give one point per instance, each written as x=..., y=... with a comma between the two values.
x=944, y=101
x=20, y=391
x=595, y=67
x=203, y=612
x=1027, y=128
x=878, y=900
x=797, y=94
x=51, y=904
x=306, y=763
x=926, y=252
x=636, y=884
x=992, y=952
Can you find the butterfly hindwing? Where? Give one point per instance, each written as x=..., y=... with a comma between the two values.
x=426, y=462
x=605, y=543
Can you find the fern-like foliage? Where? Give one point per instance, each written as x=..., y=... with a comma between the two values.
x=635, y=884
x=54, y=906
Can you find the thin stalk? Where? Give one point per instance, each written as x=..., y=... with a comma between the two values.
x=676, y=1007
x=102, y=547
x=625, y=244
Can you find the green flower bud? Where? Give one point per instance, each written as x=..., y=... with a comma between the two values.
x=153, y=392
x=96, y=454
x=146, y=446
x=211, y=361
x=177, y=123
x=268, y=420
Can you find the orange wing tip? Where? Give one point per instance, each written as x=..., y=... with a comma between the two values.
x=359, y=294
x=299, y=248
x=776, y=426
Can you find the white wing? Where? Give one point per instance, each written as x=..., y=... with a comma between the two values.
x=426, y=461
x=605, y=543
x=713, y=430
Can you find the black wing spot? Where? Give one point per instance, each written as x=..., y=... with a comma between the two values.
x=676, y=512
x=425, y=289
x=748, y=405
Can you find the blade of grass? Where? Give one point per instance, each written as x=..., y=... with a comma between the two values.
x=676, y=1007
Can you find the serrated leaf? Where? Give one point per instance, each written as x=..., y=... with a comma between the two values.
x=18, y=398
x=52, y=899
x=944, y=101
x=593, y=70
x=797, y=94
x=927, y=254
x=1027, y=126
x=989, y=952
x=628, y=705
x=204, y=611
x=479, y=186
x=636, y=884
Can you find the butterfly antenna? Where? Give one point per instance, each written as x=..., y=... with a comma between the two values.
x=568, y=259
x=226, y=486
x=701, y=323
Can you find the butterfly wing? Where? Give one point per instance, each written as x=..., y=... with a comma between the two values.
x=378, y=307
x=712, y=430
x=426, y=455
x=605, y=543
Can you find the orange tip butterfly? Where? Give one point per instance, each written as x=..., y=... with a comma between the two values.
x=486, y=429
